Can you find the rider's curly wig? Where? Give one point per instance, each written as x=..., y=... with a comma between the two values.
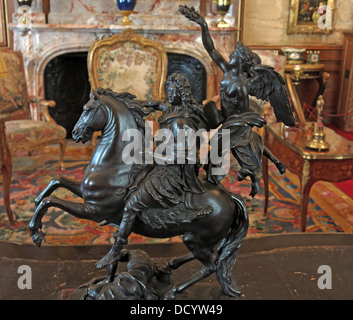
x=184, y=89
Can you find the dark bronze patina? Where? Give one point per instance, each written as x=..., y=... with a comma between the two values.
x=163, y=200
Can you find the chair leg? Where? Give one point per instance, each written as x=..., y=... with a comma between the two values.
x=62, y=153
x=6, y=171
x=265, y=177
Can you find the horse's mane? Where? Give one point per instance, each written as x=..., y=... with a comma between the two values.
x=138, y=110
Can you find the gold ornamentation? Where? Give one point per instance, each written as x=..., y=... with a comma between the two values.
x=318, y=141
x=297, y=24
x=222, y=9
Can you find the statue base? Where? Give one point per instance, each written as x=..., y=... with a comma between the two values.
x=141, y=278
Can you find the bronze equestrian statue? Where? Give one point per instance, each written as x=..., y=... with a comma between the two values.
x=170, y=196
x=109, y=185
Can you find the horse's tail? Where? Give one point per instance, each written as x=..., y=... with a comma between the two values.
x=228, y=249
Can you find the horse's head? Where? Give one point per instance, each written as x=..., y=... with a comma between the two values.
x=92, y=119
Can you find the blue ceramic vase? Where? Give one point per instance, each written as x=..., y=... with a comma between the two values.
x=126, y=7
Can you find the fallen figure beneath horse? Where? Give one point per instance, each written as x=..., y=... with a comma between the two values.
x=159, y=200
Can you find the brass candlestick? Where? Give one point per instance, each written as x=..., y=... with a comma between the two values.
x=222, y=9
x=318, y=140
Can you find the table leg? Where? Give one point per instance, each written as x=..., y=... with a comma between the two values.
x=305, y=186
x=6, y=170
x=265, y=177
x=320, y=91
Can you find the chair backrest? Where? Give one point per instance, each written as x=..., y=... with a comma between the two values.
x=273, y=60
x=14, y=98
x=128, y=62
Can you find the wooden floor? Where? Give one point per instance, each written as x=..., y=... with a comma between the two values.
x=284, y=267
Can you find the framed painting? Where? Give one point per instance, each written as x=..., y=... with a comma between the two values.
x=3, y=24
x=310, y=16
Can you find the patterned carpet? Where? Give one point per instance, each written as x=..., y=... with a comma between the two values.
x=330, y=210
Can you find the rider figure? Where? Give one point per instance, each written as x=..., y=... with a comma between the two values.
x=166, y=183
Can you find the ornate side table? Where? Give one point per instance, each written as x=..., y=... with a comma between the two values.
x=289, y=146
x=299, y=72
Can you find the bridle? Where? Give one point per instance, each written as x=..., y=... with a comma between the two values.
x=97, y=105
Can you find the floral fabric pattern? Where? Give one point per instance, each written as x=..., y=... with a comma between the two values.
x=129, y=68
x=30, y=132
x=13, y=89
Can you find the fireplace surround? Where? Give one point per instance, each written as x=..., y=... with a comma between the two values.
x=43, y=44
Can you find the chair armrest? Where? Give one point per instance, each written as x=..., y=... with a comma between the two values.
x=4, y=116
x=44, y=106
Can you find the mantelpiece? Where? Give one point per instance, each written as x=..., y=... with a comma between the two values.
x=42, y=42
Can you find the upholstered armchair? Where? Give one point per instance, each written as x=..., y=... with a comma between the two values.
x=18, y=132
x=128, y=62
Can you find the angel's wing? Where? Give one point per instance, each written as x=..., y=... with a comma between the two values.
x=268, y=84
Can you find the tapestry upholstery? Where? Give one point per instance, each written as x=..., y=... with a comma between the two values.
x=21, y=133
x=274, y=60
x=13, y=89
x=128, y=68
x=18, y=132
x=128, y=62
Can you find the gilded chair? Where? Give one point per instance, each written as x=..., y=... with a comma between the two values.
x=18, y=132
x=128, y=62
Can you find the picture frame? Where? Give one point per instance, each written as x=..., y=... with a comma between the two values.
x=3, y=24
x=310, y=16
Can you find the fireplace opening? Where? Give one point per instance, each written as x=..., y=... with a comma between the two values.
x=66, y=82
x=193, y=70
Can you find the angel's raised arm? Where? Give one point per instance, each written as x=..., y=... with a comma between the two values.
x=207, y=41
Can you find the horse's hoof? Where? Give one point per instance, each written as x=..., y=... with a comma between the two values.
x=281, y=167
x=234, y=290
x=34, y=227
x=38, y=237
x=170, y=295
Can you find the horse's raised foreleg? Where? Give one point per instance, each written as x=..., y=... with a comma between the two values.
x=79, y=210
x=58, y=182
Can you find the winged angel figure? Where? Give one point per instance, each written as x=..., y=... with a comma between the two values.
x=244, y=76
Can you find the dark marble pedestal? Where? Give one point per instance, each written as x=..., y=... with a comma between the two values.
x=268, y=268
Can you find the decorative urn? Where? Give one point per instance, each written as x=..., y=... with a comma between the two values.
x=126, y=7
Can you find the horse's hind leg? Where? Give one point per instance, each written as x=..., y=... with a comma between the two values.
x=58, y=182
x=165, y=272
x=204, y=255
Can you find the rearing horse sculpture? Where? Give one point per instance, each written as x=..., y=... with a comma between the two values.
x=106, y=182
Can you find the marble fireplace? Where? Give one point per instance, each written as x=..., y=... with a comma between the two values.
x=73, y=25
